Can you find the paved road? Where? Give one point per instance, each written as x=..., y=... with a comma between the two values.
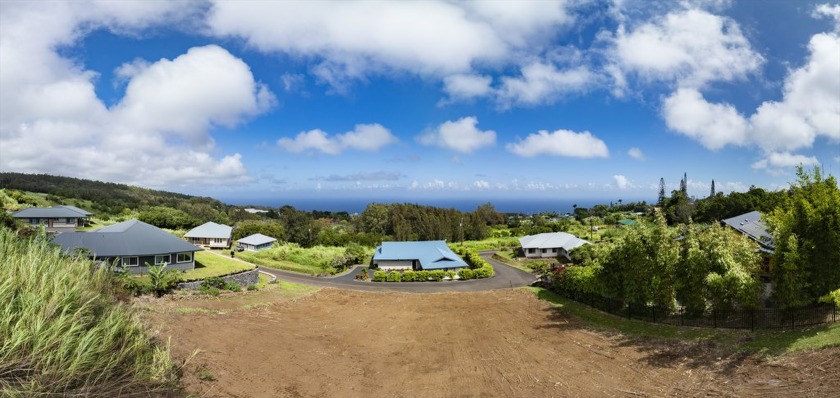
x=506, y=277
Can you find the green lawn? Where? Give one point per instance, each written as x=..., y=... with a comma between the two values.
x=291, y=257
x=770, y=342
x=209, y=264
x=270, y=262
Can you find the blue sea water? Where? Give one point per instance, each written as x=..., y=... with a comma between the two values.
x=357, y=205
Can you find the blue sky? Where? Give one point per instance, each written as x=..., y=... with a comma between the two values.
x=417, y=100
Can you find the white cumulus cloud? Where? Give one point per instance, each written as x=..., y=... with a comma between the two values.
x=713, y=125
x=560, y=143
x=689, y=47
x=364, y=137
x=785, y=159
x=636, y=153
x=622, y=182
x=157, y=134
x=809, y=108
x=460, y=135
x=356, y=39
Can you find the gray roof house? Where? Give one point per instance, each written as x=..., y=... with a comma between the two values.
x=211, y=235
x=256, y=242
x=751, y=224
x=550, y=244
x=132, y=245
x=419, y=255
x=54, y=219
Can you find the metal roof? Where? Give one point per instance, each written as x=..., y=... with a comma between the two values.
x=752, y=225
x=210, y=230
x=52, y=212
x=432, y=254
x=628, y=222
x=128, y=238
x=257, y=239
x=550, y=240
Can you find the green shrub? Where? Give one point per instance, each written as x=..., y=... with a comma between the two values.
x=252, y=287
x=216, y=284
x=437, y=275
x=422, y=276
x=465, y=274
x=162, y=280
x=831, y=297
x=450, y=275
x=134, y=285
x=214, y=281
x=379, y=276
x=409, y=276
x=393, y=276
x=233, y=286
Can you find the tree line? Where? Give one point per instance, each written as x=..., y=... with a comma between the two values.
x=703, y=266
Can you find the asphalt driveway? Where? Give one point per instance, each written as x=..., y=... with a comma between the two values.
x=506, y=277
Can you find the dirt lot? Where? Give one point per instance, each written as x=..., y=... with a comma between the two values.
x=337, y=343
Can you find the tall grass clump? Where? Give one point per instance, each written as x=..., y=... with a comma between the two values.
x=63, y=333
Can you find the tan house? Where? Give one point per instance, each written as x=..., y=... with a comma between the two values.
x=210, y=234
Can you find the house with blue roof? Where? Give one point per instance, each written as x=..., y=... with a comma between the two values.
x=417, y=256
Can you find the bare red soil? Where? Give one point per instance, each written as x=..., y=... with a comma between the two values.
x=337, y=343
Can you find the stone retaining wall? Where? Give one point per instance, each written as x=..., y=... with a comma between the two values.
x=244, y=279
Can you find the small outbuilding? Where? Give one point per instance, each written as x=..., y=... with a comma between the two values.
x=210, y=234
x=550, y=244
x=256, y=242
x=416, y=256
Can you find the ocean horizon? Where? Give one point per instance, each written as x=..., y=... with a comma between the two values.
x=357, y=205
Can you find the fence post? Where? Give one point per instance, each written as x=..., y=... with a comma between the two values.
x=752, y=320
x=714, y=318
x=834, y=313
x=653, y=310
x=629, y=311
x=792, y=320
x=682, y=315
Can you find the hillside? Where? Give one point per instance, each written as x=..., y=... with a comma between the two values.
x=104, y=197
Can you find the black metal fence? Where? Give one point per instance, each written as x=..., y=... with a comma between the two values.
x=765, y=318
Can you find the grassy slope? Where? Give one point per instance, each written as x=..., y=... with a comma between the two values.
x=63, y=333
x=291, y=257
x=767, y=341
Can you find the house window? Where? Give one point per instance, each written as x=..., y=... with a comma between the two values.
x=218, y=240
x=532, y=251
x=129, y=261
x=161, y=259
x=544, y=250
x=184, y=257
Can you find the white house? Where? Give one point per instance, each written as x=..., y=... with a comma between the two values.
x=550, y=244
x=256, y=242
x=210, y=235
x=416, y=256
